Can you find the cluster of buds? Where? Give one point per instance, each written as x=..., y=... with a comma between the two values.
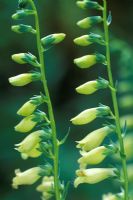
x=92, y=149
x=35, y=122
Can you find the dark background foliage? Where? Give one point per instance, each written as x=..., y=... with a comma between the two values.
x=63, y=77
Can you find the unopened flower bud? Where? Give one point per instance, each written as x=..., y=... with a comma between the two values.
x=95, y=138
x=92, y=176
x=89, y=22
x=92, y=86
x=30, y=106
x=28, y=147
x=22, y=3
x=22, y=13
x=28, y=123
x=90, y=114
x=89, y=4
x=86, y=40
x=21, y=28
x=90, y=60
x=24, y=79
x=23, y=58
x=50, y=40
x=27, y=177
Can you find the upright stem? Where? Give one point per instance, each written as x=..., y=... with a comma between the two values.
x=50, y=109
x=115, y=103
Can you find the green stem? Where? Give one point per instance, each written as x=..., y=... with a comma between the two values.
x=50, y=109
x=115, y=103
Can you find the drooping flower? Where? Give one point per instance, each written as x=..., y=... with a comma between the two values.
x=88, y=61
x=89, y=22
x=22, y=28
x=92, y=86
x=86, y=40
x=95, y=138
x=27, y=177
x=29, y=122
x=24, y=79
x=92, y=176
x=30, y=106
x=90, y=114
x=89, y=4
x=22, y=13
x=50, y=40
x=29, y=146
x=95, y=156
x=23, y=58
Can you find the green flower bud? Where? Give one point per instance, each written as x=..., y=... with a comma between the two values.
x=95, y=138
x=29, y=146
x=50, y=40
x=92, y=86
x=92, y=176
x=110, y=196
x=22, y=13
x=27, y=177
x=89, y=22
x=23, y=58
x=23, y=29
x=24, y=79
x=89, y=115
x=90, y=60
x=86, y=40
x=89, y=4
x=22, y=3
x=95, y=156
x=30, y=106
x=28, y=123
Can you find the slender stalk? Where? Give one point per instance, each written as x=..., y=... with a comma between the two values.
x=115, y=102
x=50, y=108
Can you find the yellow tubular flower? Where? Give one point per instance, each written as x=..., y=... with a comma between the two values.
x=47, y=184
x=89, y=115
x=85, y=61
x=27, y=109
x=89, y=60
x=95, y=138
x=21, y=80
x=30, y=106
x=28, y=147
x=92, y=176
x=24, y=79
x=93, y=157
x=27, y=177
x=92, y=86
x=83, y=40
x=28, y=123
x=34, y=153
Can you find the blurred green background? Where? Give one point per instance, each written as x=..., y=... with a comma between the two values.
x=63, y=77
